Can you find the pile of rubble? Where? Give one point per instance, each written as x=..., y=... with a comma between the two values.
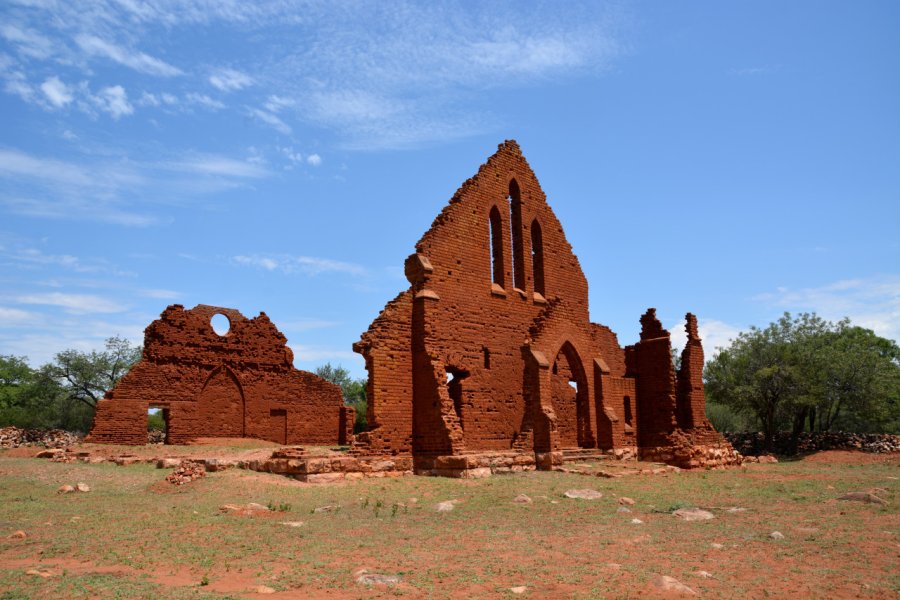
x=13, y=437
x=753, y=444
x=186, y=472
x=156, y=436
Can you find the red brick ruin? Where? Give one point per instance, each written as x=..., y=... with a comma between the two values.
x=240, y=384
x=489, y=361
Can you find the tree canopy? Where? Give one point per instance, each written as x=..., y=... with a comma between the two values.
x=804, y=373
x=354, y=390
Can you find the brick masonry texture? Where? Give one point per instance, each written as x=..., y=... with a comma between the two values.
x=240, y=384
x=491, y=349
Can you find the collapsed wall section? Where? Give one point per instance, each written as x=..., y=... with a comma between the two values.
x=241, y=383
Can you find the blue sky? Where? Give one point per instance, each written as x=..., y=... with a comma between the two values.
x=732, y=159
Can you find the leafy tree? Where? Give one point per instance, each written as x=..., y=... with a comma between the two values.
x=354, y=391
x=806, y=372
x=87, y=377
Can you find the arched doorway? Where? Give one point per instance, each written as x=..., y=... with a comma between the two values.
x=569, y=389
x=221, y=404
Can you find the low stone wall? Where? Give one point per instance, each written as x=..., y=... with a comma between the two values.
x=752, y=443
x=476, y=465
x=697, y=456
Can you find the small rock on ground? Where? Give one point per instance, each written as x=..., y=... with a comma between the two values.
x=445, y=506
x=82, y=487
x=377, y=579
x=522, y=499
x=623, y=509
x=776, y=535
x=670, y=584
x=39, y=573
x=18, y=535
x=867, y=497
x=292, y=523
x=717, y=546
x=626, y=501
x=519, y=589
x=65, y=489
x=263, y=589
x=703, y=574
x=584, y=494
x=637, y=522
x=693, y=514
x=325, y=509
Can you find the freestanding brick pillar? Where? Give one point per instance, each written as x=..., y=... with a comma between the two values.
x=491, y=349
x=240, y=384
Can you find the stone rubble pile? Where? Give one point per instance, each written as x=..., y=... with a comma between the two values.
x=156, y=436
x=14, y=437
x=751, y=443
x=186, y=472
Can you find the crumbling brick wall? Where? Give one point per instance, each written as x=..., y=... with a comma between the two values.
x=240, y=384
x=491, y=348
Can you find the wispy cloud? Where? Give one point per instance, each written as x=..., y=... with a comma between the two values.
x=113, y=100
x=73, y=303
x=271, y=119
x=229, y=80
x=871, y=302
x=29, y=43
x=14, y=317
x=133, y=59
x=209, y=164
x=307, y=265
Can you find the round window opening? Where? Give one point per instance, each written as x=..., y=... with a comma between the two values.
x=220, y=324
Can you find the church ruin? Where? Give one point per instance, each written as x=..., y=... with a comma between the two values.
x=239, y=384
x=489, y=361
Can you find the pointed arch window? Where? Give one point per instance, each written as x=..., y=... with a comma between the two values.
x=515, y=230
x=537, y=257
x=495, y=222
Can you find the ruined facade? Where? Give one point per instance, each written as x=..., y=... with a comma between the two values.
x=239, y=384
x=490, y=358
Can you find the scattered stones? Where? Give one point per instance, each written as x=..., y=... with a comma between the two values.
x=326, y=509
x=82, y=487
x=446, y=506
x=14, y=437
x=263, y=589
x=671, y=585
x=65, y=489
x=18, y=535
x=623, y=509
x=363, y=577
x=522, y=499
x=625, y=501
x=168, y=463
x=586, y=494
x=716, y=546
x=187, y=471
x=693, y=514
x=866, y=497
x=776, y=535
x=519, y=589
x=703, y=574
x=736, y=509
x=750, y=444
x=637, y=522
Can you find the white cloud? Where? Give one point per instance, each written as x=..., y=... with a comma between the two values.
x=113, y=100
x=270, y=119
x=229, y=80
x=57, y=92
x=308, y=265
x=73, y=303
x=314, y=159
x=28, y=42
x=204, y=100
x=276, y=103
x=210, y=164
x=160, y=294
x=132, y=59
x=713, y=333
x=871, y=302
x=13, y=317
x=317, y=354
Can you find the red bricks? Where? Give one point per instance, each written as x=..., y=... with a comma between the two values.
x=240, y=384
x=491, y=348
